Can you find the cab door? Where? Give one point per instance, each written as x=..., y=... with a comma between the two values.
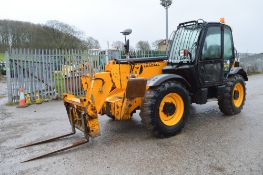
x=211, y=62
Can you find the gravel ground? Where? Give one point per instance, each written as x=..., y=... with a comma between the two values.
x=211, y=143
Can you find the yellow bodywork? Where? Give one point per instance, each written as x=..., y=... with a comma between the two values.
x=106, y=93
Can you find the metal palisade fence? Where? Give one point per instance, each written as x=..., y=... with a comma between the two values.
x=252, y=63
x=50, y=73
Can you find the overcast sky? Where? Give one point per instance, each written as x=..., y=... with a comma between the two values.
x=104, y=19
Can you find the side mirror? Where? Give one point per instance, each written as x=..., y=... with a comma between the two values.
x=127, y=42
x=127, y=46
x=185, y=53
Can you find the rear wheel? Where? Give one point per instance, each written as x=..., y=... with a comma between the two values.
x=165, y=108
x=234, y=97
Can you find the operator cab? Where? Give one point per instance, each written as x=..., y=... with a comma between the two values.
x=203, y=54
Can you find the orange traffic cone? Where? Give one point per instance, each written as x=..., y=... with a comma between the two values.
x=22, y=100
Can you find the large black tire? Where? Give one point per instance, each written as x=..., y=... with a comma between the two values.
x=227, y=103
x=150, y=114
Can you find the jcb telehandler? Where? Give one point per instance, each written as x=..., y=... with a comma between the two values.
x=201, y=65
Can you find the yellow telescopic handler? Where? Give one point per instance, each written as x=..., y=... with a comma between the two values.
x=201, y=65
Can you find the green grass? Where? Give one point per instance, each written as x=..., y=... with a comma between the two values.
x=2, y=57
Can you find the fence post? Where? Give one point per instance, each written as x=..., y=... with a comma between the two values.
x=13, y=73
x=8, y=77
x=63, y=82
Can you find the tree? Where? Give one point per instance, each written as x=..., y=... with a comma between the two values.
x=156, y=43
x=119, y=45
x=132, y=48
x=64, y=28
x=53, y=35
x=143, y=45
x=91, y=43
x=71, y=38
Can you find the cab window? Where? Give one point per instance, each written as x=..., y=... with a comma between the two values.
x=228, y=44
x=212, y=45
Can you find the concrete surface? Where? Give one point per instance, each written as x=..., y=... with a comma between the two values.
x=209, y=144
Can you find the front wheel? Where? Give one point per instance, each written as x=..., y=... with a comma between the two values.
x=165, y=108
x=233, y=99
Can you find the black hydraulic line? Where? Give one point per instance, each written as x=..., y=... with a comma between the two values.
x=103, y=81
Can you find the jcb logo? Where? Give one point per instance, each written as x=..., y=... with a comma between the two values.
x=151, y=65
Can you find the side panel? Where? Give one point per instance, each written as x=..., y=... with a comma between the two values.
x=211, y=72
x=129, y=86
x=122, y=72
x=99, y=89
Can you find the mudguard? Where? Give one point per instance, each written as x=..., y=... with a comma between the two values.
x=159, y=79
x=240, y=71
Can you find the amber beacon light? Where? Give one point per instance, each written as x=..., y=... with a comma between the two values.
x=222, y=20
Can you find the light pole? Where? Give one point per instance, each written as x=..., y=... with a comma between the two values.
x=166, y=4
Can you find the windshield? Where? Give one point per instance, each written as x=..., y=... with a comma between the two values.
x=185, y=38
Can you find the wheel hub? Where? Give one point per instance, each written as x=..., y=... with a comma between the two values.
x=236, y=95
x=169, y=109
